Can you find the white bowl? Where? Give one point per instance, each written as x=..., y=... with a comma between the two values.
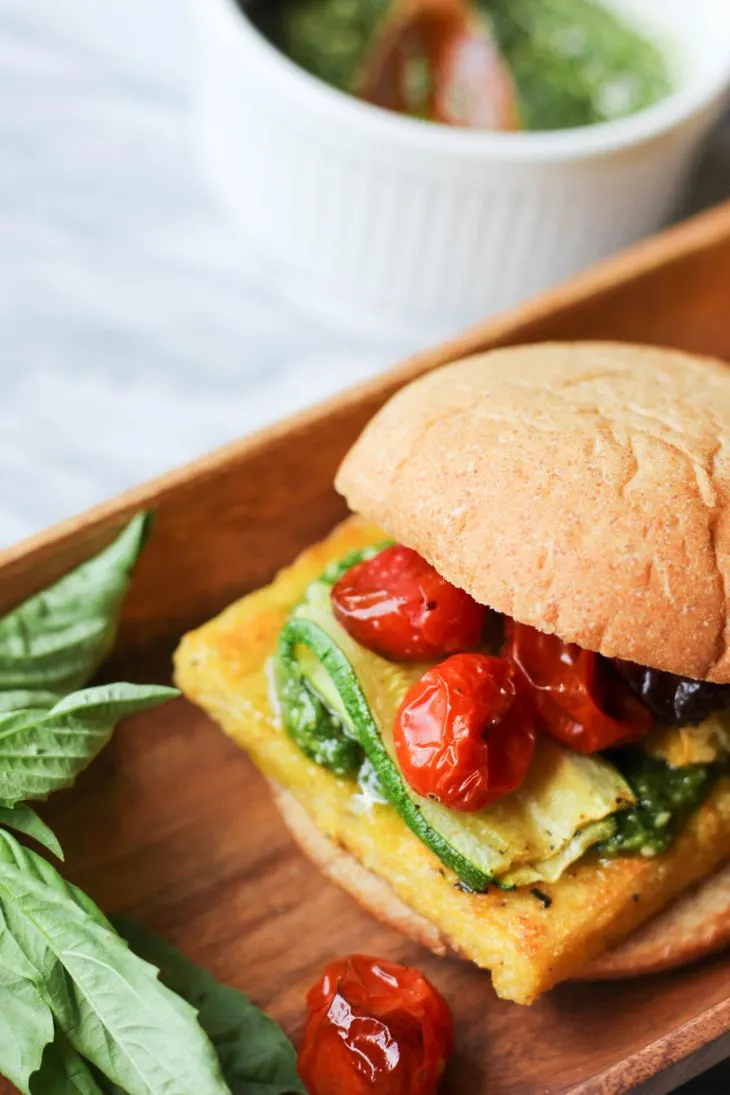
x=399, y=224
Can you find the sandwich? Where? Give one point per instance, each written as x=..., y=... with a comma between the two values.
x=494, y=703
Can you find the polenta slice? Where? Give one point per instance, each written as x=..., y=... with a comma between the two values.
x=528, y=939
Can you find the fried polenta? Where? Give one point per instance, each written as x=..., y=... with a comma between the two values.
x=529, y=939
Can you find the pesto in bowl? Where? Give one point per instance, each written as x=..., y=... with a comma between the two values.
x=569, y=63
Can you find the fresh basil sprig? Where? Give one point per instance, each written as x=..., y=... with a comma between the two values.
x=255, y=1055
x=106, y=1001
x=57, y=640
x=42, y=751
x=81, y=1013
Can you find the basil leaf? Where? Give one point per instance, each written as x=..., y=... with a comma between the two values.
x=107, y=1002
x=25, y=820
x=35, y=866
x=256, y=1056
x=56, y=640
x=23, y=698
x=63, y=1072
x=41, y=751
x=26, y=1027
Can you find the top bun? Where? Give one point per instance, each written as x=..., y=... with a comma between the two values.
x=582, y=488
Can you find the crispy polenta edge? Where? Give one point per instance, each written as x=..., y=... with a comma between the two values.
x=528, y=944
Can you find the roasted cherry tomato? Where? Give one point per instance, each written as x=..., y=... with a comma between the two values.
x=374, y=1028
x=463, y=735
x=467, y=81
x=397, y=605
x=577, y=698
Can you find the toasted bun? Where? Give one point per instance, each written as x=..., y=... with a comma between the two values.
x=582, y=488
x=697, y=924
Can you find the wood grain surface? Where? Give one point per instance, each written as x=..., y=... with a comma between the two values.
x=172, y=825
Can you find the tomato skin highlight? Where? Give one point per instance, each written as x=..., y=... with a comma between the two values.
x=374, y=1028
x=397, y=605
x=576, y=698
x=464, y=735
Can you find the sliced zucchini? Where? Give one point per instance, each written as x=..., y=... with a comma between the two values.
x=563, y=792
x=316, y=729
x=347, y=699
x=550, y=870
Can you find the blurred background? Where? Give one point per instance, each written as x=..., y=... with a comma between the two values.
x=138, y=329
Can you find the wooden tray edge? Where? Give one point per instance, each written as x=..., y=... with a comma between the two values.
x=94, y=527
x=674, y=1059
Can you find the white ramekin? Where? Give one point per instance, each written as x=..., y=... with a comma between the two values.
x=397, y=224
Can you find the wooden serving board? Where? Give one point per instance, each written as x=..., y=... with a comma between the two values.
x=173, y=826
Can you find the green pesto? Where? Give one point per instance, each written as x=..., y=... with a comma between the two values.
x=665, y=798
x=329, y=38
x=574, y=62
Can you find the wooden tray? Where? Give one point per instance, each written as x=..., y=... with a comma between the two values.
x=172, y=825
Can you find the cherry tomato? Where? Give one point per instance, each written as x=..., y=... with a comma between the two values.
x=463, y=734
x=397, y=605
x=473, y=85
x=374, y=1028
x=575, y=698
x=442, y=63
